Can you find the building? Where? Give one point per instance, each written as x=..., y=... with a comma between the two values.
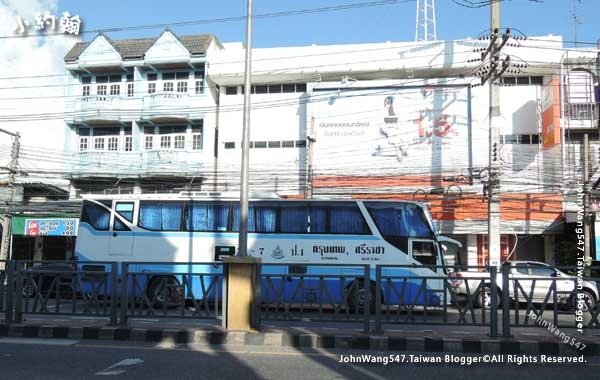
x=378, y=120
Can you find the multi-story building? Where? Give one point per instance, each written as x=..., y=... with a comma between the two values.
x=377, y=120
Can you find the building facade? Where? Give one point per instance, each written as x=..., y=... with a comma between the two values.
x=379, y=120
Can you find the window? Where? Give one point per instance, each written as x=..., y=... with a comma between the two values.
x=199, y=77
x=115, y=78
x=289, y=88
x=287, y=144
x=98, y=143
x=196, y=141
x=85, y=90
x=424, y=252
x=115, y=89
x=125, y=209
x=274, y=144
x=294, y=219
x=95, y=215
x=165, y=142
x=260, y=144
x=261, y=218
x=130, y=89
x=300, y=87
x=399, y=219
x=161, y=216
x=346, y=220
x=168, y=79
x=182, y=87
x=204, y=216
x=541, y=270
x=128, y=143
x=230, y=145
x=231, y=90
x=86, y=79
x=274, y=89
x=148, y=142
x=179, y=142
x=261, y=89
x=168, y=86
x=300, y=143
x=101, y=90
x=83, y=143
x=113, y=143
x=152, y=83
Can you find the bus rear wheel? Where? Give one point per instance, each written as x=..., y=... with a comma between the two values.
x=164, y=291
x=358, y=297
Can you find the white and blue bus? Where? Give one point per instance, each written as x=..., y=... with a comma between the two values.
x=297, y=234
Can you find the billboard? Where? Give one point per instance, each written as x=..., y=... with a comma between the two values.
x=51, y=227
x=551, y=113
x=418, y=130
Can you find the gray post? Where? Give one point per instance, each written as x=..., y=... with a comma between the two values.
x=586, y=197
x=10, y=291
x=506, y=302
x=378, y=287
x=18, y=293
x=493, y=302
x=124, y=296
x=6, y=229
x=114, y=291
x=243, y=235
x=367, y=308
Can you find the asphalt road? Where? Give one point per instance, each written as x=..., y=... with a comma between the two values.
x=67, y=359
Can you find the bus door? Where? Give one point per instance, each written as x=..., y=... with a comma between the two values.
x=426, y=252
x=121, y=239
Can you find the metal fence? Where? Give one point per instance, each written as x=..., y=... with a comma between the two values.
x=375, y=298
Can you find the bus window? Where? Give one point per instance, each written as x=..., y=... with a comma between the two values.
x=161, y=216
x=125, y=209
x=261, y=218
x=95, y=215
x=399, y=219
x=424, y=252
x=294, y=219
x=347, y=220
x=318, y=220
x=204, y=216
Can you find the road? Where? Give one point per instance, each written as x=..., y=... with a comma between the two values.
x=68, y=359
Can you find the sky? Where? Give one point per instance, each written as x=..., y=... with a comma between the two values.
x=392, y=22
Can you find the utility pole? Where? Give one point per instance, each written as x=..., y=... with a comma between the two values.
x=586, y=197
x=308, y=193
x=494, y=143
x=243, y=236
x=12, y=170
x=425, y=29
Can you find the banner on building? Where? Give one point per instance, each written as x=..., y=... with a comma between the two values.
x=51, y=227
x=551, y=113
x=392, y=130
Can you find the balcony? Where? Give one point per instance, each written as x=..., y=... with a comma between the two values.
x=582, y=115
x=185, y=105
x=139, y=163
x=105, y=107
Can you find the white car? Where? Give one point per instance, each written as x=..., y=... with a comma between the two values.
x=533, y=280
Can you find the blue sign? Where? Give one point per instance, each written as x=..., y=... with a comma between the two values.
x=51, y=227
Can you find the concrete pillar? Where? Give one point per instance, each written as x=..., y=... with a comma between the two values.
x=241, y=290
x=472, y=249
x=549, y=249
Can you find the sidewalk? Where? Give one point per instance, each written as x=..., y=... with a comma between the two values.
x=413, y=338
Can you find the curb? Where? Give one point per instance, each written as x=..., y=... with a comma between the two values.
x=279, y=339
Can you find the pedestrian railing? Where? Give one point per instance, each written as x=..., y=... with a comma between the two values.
x=172, y=290
x=376, y=298
x=325, y=292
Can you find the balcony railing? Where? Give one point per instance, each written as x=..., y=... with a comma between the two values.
x=582, y=111
x=168, y=99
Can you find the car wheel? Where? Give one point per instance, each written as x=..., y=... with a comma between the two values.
x=589, y=300
x=484, y=298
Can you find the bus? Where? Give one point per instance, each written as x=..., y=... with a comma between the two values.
x=296, y=234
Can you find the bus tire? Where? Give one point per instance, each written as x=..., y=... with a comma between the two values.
x=171, y=297
x=357, y=296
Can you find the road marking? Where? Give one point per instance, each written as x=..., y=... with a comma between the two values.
x=47, y=342
x=112, y=371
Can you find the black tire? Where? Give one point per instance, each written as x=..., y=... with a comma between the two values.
x=357, y=297
x=162, y=286
x=590, y=300
x=484, y=298
x=28, y=289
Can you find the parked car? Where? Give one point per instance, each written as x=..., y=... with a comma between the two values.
x=525, y=272
x=43, y=279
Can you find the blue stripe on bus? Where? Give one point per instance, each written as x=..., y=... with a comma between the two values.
x=230, y=235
